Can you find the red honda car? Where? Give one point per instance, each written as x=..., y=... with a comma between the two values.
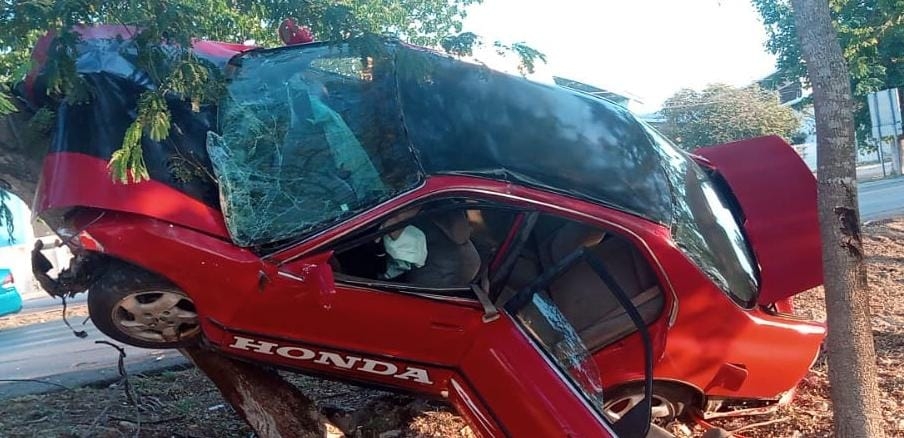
x=389, y=215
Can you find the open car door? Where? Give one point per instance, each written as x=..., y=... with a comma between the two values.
x=776, y=204
x=537, y=318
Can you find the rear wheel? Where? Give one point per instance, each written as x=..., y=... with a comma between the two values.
x=669, y=402
x=142, y=309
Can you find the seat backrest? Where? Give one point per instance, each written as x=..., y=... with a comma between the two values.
x=582, y=296
x=565, y=240
x=452, y=259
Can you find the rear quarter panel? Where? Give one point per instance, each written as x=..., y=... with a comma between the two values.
x=713, y=338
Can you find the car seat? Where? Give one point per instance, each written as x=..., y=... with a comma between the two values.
x=580, y=293
x=452, y=259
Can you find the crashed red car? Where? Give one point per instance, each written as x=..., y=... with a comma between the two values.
x=388, y=215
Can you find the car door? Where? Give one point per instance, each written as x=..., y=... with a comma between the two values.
x=496, y=375
x=526, y=392
x=532, y=352
x=327, y=299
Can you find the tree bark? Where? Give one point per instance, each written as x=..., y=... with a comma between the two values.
x=850, y=348
x=20, y=162
x=270, y=405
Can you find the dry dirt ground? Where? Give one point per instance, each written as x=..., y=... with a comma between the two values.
x=185, y=404
x=74, y=313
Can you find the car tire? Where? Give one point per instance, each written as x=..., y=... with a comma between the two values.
x=140, y=308
x=670, y=400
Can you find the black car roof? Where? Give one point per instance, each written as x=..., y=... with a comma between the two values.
x=460, y=117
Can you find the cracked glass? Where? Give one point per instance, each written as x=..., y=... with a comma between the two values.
x=307, y=139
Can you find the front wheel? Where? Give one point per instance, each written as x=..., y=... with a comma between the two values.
x=142, y=309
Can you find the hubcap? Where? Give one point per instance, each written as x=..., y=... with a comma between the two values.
x=662, y=409
x=156, y=316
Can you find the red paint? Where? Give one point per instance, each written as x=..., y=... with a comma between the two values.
x=777, y=193
x=291, y=33
x=71, y=179
x=218, y=49
x=491, y=372
x=443, y=338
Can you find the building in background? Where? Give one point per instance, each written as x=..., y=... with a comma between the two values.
x=790, y=91
x=15, y=247
x=876, y=162
x=15, y=250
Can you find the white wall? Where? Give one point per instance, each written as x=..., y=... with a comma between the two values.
x=17, y=257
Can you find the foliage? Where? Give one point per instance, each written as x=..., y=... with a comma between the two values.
x=721, y=113
x=463, y=45
x=6, y=215
x=6, y=106
x=161, y=26
x=871, y=33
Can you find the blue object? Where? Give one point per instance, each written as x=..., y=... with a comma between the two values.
x=10, y=300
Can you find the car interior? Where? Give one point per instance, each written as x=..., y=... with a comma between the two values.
x=463, y=239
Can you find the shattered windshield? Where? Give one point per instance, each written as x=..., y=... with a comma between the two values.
x=559, y=340
x=312, y=134
x=307, y=138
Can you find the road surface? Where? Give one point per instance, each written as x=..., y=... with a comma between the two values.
x=50, y=351
x=45, y=302
x=881, y=199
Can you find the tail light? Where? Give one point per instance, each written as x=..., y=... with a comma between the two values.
x=8, y=280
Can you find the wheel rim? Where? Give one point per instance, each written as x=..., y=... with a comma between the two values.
x=156, y=316
x=662, y=408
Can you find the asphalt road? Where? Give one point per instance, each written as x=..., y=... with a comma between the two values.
x=50, y=352
x=45, y=302
x=881, y=199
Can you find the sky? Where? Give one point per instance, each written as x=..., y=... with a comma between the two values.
x=649, y=48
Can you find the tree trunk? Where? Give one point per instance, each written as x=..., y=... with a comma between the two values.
x=20, y=162
x=851, y=352
x=270, y=405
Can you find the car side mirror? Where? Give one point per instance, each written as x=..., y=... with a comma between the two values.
x=315, y=272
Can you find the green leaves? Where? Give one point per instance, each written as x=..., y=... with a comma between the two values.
x=721, y=113
x=528, y=55
x=6, y=215
x=127, y=164
x=6, y=105
x=871, y=33
x=154, y=116
x=461, y=44
x=164, y=29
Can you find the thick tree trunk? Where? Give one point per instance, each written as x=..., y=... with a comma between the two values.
x=270, y=405
x=851, y=352
x=20, y=162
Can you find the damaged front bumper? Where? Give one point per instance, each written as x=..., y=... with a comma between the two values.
x=84, y=269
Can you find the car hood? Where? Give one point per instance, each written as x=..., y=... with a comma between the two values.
x=776, y=196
